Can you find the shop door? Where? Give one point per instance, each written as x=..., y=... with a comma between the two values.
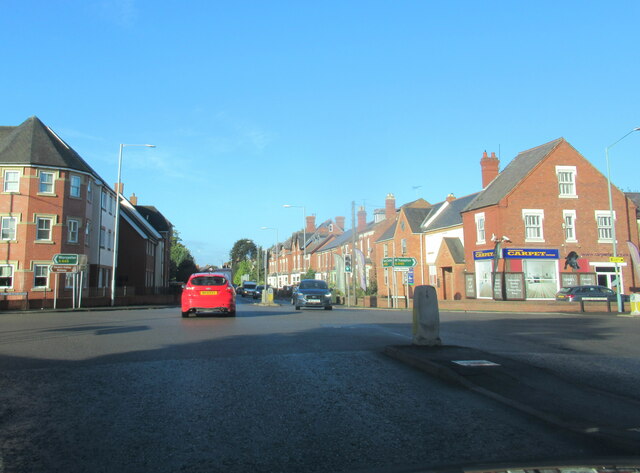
x=447, y=283
x=606, y=276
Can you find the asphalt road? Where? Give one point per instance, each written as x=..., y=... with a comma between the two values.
x=279, y=390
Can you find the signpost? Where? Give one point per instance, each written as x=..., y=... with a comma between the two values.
x=399, y=262
x=69, y=263
x=404, y=264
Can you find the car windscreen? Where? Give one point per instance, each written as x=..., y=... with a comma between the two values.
x=313, y=285
x=208, y=281
x=249, y=286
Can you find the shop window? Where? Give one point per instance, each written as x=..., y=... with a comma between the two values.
x=541, y=278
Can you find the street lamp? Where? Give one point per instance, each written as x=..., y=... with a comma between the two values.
x=613, y=224
x=116, y=227
x=277, y=262
x=304, y=231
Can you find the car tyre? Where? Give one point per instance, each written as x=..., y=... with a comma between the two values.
x=297, y=307
x=231, y=313
x=328, y=307
x=185, y=314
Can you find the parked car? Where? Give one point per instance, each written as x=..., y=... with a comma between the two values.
x=312, y=293
x=240, y=290
x=258, y=292
x=208, y=292
x=577, y=293
x=248, y=288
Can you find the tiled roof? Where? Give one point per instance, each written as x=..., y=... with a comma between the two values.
x=154, y=217
x=456, y=248
x=388, y=233
x=34, y=143
x=635, y=198
x=415, y=216
x=449, y=216
x=513, y=174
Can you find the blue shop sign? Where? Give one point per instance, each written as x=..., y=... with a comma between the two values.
x=519, y=253
x=530, y=253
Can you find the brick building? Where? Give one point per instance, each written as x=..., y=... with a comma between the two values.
x=52, y=202
x=549, y=207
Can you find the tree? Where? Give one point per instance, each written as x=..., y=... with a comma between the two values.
x=310, y=274
x=242, y=249
x=182, y=262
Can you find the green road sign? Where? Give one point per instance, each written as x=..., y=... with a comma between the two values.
x=65, y=259
x=399, y=262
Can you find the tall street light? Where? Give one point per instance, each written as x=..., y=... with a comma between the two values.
x=277, y=262
x=613, y=224
x=304, y=231
x=116, y=227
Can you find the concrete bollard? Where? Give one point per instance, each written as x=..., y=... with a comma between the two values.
x=426, y=317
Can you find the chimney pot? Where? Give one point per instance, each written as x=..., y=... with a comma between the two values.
x=451, y=197
x=133, y=199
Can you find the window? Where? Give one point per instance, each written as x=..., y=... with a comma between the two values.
x=566, y=181
x=605, y=225
x=8, y=228
x=12, y=181
x=46, y=183
x=480, y=233
x=569, y=225
x=103, y=235
x=103, y=200
x=403, y=246
x=43, y=228
x=109, y=239
x=385, y=251
x=40, y=275
x=111, y=200
x=87, y=232
x=72, y=230
x=75, y=186
x=6, y=276
x=90, y=190
x=533, y=224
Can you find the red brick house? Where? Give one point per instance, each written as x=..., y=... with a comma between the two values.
x=547, y=208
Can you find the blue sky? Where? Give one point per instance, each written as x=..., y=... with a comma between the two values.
x=256, y=104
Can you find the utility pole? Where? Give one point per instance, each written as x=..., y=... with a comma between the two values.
x=353, y=250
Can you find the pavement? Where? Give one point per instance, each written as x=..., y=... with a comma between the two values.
x=535, y=391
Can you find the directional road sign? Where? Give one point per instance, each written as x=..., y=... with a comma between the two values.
x=63, y=268
x=399, y=262
x=66, y=259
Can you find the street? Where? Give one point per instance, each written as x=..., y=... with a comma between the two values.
x=275, y=389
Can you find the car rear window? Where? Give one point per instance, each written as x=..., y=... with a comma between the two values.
x=313, y=285
x=208, y=281
x=249, y=286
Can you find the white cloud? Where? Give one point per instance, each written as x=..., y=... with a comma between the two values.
x=121, y=12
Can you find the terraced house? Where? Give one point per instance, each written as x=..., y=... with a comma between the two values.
x=54, y=202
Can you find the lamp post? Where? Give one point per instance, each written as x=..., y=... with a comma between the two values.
x=116, y=226
x=277, y=262
x=613, y=223
x=304, y=232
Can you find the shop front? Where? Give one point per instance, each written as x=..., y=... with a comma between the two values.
x=537, y=269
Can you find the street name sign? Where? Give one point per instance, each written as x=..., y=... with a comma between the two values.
x=63, y=268
x=616, y=259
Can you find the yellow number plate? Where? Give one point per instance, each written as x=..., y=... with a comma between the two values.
x=208, y=293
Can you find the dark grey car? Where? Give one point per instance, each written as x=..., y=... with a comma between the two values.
x=578, y=293
x=312, y=293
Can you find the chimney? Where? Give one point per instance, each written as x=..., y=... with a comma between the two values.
x=340, y=223
x=490, y=168
x=115, y=187
x=390, y=207
x=451, y=197
x=311, y=224
x=362, y=219
x=133, y=199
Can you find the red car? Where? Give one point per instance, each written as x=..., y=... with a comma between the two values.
x=208, y=292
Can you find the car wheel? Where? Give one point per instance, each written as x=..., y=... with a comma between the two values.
x=328, y=307
x=231, y=313
x=185, y=314
x=297, y=307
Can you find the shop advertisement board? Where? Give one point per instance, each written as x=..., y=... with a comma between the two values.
x=569, y=279
x=497, y=286
x=514, y=286
x=470, y=285
x=588, y=279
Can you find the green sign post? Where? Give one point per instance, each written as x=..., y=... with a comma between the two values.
x=398, y=262
x=61, y=258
